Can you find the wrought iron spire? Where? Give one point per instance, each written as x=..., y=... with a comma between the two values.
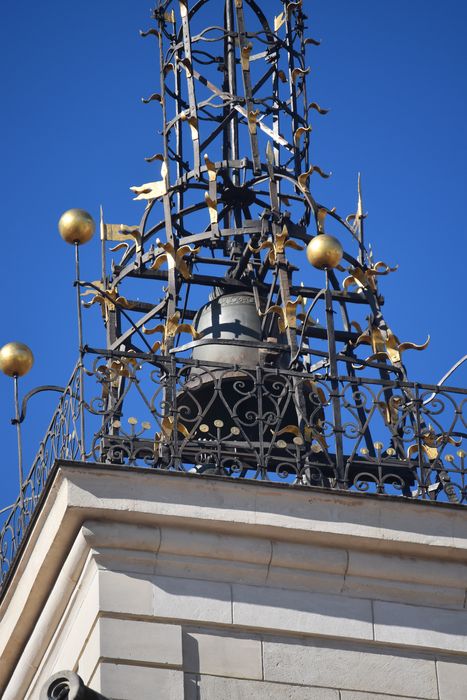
x=211, y=340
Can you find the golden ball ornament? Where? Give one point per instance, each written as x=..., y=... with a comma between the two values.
x=16, y=359
x=324, y=252
x=76, y=226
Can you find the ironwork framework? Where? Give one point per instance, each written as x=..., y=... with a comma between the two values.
x=267, y=393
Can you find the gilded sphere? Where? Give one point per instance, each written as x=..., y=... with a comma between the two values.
x=76, y=226
x=324, y=252
x=16, y=359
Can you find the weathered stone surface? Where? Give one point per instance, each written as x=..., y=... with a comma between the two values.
x=353, y=695
x=217, y=688
x=126, y=593
x=309, y=613
x=135, y=641
x=452, y=678
x=124, y=682
x=169, y=548
x=222, y=655
x=187, y=599
x=421, y=626
x=369, y=669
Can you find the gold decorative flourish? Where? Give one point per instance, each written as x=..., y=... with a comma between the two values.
x=317, y=391
x=299, y=133
x=314, y=42
x=287, y=314
x=430, y=443
x=169, y=331
x=303, y=178
x=245, y=56
x=155, y=97
x=299, y=73
x=116, y=368
x=277, y=247
x=211, y=168
x=280, y=19
x=121, y=234
x=212, y=208
x=321, y=216
x=253, y=120
x=386, y=345
x=366, y=279
x=311, y=434
x=153, y=190
x=174, y=258
x=108, y=301
x=193, y=123
x=320, y=110
x=390, y=410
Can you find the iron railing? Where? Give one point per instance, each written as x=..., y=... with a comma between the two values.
x=266, y=424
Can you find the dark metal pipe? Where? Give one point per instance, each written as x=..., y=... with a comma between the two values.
x=68, y=685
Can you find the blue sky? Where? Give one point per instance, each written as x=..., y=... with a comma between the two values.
x=75, y=133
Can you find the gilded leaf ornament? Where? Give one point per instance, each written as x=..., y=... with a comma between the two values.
x=277, y=246
x=430, y=443
x=301, y=131
x=321, y=216
x=167, y=430
x=366, y=278
x=108, y=299
x=169, y=331
x=174, y=258
x=386, y=345
x=287, y=314
x=304, y=177
x=311, y=435
x=153, y=190
x=120, y=233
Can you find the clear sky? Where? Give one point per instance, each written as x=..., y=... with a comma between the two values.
x=74, y=133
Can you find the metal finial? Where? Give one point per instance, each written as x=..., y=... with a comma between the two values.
x=76, y=226
x=16, y=359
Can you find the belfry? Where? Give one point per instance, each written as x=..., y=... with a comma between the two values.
x=241, y=492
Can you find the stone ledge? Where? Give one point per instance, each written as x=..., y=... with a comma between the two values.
x=195, y=528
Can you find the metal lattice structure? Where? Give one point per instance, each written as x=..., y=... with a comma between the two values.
x=243, y=381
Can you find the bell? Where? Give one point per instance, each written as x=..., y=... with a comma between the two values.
x=233, y=318
x=223, y=395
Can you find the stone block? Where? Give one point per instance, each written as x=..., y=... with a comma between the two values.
x=353, y=695
x=222, y=655
x=304, y=612
x=216, y=688
x=189, y=599
x=402, y=591
x=124, y=682
x=452, y=679
x=353, y=667
x=421, y=626
x=135, y=641
x=125, y=593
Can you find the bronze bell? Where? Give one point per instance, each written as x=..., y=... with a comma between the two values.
x=224, y=389
x=232, y=319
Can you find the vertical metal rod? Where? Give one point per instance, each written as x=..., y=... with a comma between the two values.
x=82, y=440
x=20, y=444
x=361, y=218
x=232, y=84
x=336, y=406
x=103, y=251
